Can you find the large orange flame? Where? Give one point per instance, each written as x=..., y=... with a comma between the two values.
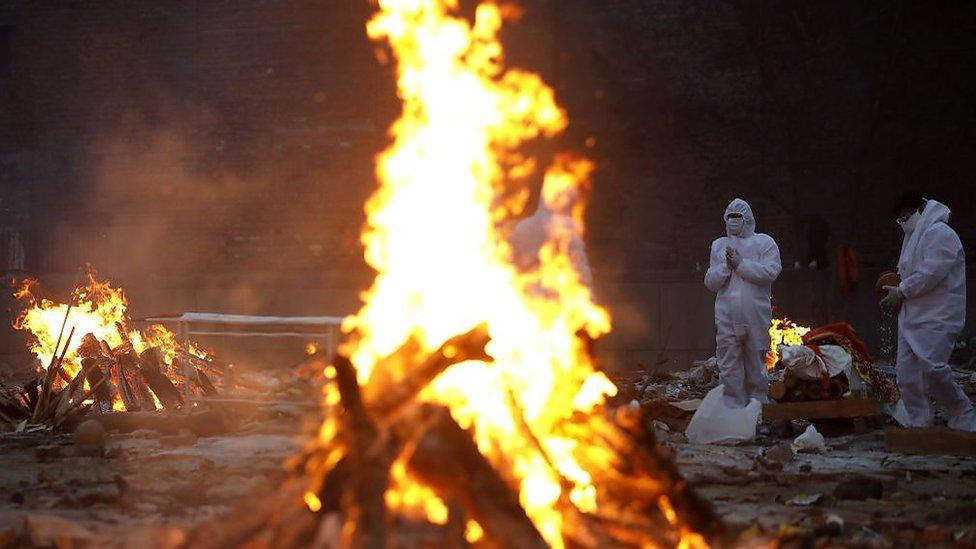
x=443, y=266
x=97, y=308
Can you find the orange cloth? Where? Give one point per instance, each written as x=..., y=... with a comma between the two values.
x=843, y=334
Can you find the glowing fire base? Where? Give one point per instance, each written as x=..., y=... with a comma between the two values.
x=385, y=430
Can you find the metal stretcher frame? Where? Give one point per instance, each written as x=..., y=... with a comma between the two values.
x=327, y=326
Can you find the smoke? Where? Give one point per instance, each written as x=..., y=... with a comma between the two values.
x=170, y=214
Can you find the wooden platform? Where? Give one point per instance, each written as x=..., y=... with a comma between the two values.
x=821, y=409
x=930, y=441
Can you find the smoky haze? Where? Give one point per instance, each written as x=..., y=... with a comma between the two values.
x=215, y=155
x=211, y=157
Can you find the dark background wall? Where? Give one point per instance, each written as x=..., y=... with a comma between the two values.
x=214, y=155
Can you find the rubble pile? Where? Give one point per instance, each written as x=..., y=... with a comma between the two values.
x=682, y=385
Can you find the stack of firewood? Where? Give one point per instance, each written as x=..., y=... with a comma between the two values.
x=794, y=389
x=133, y=374
x=643, y=500
x=107, y=375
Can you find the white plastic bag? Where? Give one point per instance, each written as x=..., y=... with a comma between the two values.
x=810, y=441
x=716, y=422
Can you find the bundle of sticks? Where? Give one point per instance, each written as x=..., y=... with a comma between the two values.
x=133, y=375
x=642, y=501
x=106, y=375
x=41, y=401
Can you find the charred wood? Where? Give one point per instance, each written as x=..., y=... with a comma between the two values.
x=150, y=367
x=447, y=460
x=363, y=503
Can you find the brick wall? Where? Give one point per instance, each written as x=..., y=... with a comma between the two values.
x=214, y=154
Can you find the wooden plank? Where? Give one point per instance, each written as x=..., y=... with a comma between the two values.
x=930, y=441
x=821, y=409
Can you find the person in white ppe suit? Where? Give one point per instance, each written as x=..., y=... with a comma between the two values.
x=743, y=266
x=931, y=300
x=552, y=219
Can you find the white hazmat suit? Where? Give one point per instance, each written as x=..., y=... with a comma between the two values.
x=743, y=306
x=932, y=267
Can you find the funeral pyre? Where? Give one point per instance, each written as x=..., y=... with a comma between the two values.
x=88, y=357
x=805, y=364
x=465, y=400
x=829, y=363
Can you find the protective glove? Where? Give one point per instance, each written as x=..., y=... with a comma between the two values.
x=894, y=298
x=733, y=257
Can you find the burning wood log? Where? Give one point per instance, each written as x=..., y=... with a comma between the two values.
x=41, y=403
x=362, y=502
x=386, y=392
x=446, y=458
x=643, y=472
x=161, y=386
x=125, y=391
x=90, y=352
x=46, y=387
x=129, y=364
x=649, y=460
x=194, y=371
x=644, y=499
x=128, y=360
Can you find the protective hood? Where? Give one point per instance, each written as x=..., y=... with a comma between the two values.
x=934, y=212
x=740, y=206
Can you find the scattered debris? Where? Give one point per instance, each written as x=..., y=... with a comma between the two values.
x=833, y=525
x=964, y=355
x=802, y=500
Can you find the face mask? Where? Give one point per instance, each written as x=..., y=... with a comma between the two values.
x=909, y=224
x=734, y=225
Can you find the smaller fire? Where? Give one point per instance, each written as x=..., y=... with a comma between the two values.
x=91, y=333
x=311, y=348
x=783, y=332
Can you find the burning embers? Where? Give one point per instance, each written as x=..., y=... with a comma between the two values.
x=88, y=357
x=465, y=393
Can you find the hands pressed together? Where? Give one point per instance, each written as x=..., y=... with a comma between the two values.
x=732, y=258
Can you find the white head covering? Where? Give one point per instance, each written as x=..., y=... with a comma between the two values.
x=911, y=255
x=742, y=208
